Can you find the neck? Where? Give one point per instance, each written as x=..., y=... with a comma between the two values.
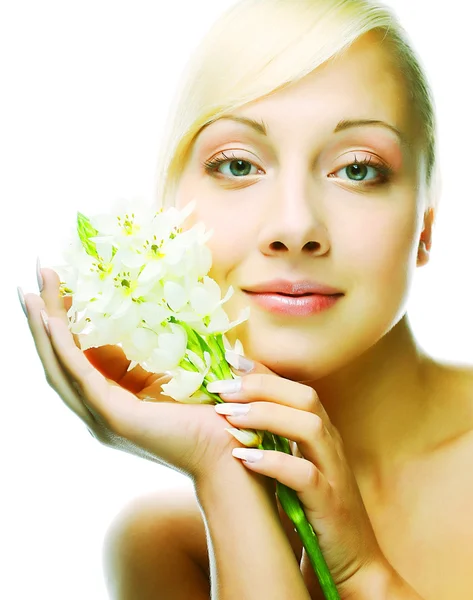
x=382, y=404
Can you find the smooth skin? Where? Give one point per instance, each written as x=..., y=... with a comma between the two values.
x=402, y=449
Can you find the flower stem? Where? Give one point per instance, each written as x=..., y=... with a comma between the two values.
x=218, y=361
x=223, y=361
x=292, y=507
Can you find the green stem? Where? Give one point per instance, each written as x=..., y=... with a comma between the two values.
x=293, y=509
x=218, y=362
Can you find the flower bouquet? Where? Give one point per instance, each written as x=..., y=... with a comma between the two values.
x=138, y=280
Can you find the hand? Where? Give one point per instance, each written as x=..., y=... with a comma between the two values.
x=319, y=474
x=96, y=386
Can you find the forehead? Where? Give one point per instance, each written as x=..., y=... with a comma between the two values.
x=363, y=82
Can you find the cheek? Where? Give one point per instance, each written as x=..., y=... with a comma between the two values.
x=229, y=246
x=231, y=238
x=384, y=258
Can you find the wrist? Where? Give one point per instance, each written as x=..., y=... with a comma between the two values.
x=226, y=470
x=245, y=536
x=229, y=477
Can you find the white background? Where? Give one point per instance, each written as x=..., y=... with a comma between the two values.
x=85, y=92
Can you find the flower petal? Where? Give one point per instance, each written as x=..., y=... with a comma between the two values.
x=248, y=437
x=175, y=295
x=183, y=385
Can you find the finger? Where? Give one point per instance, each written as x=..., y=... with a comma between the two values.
x=108, y=360
x=242, y=365
x=302, y=476
x=92, y=385
x=54, y=373
x=56, y=305
x=307, y=429
x=112, y=362
x=273, y=388
x=53, y=300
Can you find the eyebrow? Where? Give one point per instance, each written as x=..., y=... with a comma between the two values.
x=261, y=128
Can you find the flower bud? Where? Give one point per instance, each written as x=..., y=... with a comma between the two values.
x=248, y=437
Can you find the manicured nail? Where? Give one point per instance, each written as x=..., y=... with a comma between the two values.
x=224, y=386
x=248, y=454
x=239, y=362
x=21, y=297
x=44, y=318
x=39, y=277
x=235, y=410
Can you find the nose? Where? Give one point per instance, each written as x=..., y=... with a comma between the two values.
x=293, y=223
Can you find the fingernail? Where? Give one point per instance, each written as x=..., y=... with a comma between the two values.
x=224, y=386
x=44, y=318
x=39, y=277
x=234, y=410
x=248, y=454
x=239, y=362
x=21, y=297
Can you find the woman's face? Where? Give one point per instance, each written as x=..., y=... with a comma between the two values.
x=291, y=204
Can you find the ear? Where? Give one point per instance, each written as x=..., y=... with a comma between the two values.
x=425, y=242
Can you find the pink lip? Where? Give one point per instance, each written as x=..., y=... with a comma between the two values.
x=294, y=305
x=293, y=288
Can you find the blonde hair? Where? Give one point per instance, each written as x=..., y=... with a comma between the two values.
x=259, y=46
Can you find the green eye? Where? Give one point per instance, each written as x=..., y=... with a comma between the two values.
x=239, y=167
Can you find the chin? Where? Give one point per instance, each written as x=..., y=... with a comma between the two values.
x=293, y=370
x=301, y=353
x=296, y=359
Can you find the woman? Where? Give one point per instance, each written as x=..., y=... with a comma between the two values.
x=325, y=199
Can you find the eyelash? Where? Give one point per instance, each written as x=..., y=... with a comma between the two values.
x=384, y=170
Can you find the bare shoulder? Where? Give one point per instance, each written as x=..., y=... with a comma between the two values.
x=450, y=455
x=456, y=391
x=460, y=376
x=148, y=537
x=157, y=514
x=170, y=519
x=426, y=528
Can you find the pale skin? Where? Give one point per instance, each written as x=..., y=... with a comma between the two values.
x=393, y=443
x=390, y=402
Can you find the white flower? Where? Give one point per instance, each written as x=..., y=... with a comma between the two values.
x=204, y=365
x=175, y=295
x=237, y=348
x=205, y=297
x=139, y=344
x=183, y=385
x=219, y=322
x=126, y=219
x=138, y=280
x=169, y=350
x=186, y=383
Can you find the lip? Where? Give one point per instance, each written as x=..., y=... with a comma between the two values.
x=294, y=305
x=293, y=288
